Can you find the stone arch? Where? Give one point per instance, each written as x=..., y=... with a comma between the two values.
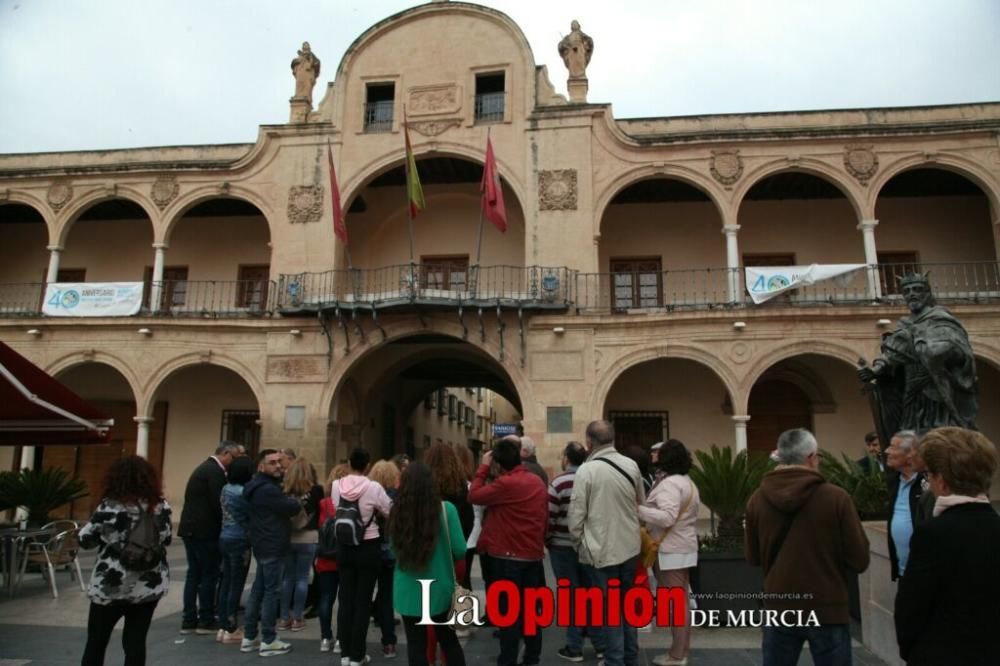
x=619, y=366
x=805, y=379
x=75, y=359
x=36, y=204
x=816, y=347
x=966, y=168
x=171, y=366
x=651, y=172
x=806, y=165
x=99, y=195
x=403, y=329
x=375, y=167
x=176, y=211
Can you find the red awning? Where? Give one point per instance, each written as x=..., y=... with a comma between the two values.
x=35, y=409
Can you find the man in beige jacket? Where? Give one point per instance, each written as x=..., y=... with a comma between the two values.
x=603, y=522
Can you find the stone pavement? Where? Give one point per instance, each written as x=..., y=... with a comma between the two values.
x=37, y=629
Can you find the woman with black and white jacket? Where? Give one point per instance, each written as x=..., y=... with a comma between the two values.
x=131, y=487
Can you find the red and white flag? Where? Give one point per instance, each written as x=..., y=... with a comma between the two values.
x=339, y=228
x=493, y=205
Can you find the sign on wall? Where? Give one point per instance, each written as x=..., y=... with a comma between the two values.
x=92, y=299
x=764, y=283
x=504, y=429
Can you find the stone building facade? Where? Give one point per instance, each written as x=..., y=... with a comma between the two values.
x=617, y=290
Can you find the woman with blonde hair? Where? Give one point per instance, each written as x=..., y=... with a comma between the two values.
x=300, y=483
x=386, y=473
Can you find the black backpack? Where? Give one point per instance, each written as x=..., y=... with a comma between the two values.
x=348, y=528
x=327, y=547
x=142, y=550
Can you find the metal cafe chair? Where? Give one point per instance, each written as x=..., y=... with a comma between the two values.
x=59, y=551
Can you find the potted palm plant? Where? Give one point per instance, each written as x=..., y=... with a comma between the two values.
x=725, y=483
x=40, y=491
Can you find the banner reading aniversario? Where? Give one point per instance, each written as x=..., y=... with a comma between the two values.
x=92, y=299
x=764, y=283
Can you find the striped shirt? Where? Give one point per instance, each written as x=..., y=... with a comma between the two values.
x=560, y=491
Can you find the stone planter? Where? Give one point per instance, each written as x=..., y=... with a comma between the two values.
x=727, y=583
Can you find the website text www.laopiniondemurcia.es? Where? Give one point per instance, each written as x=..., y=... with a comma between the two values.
x=593, y=607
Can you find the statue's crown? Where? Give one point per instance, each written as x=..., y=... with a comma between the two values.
x=915, y=278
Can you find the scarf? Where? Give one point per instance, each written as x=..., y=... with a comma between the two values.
x=945, y=502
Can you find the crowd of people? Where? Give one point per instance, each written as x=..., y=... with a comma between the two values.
x=367, y=536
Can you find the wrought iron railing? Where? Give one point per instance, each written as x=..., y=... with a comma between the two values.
x=21, y=299
x=187, y=298
x=378, y=116
x=427, y=283
x=490, y=107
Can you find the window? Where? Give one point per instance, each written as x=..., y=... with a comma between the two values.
x=173, y=289
x=461, y=412
x=452, y=407
x=637, y=282
x=242, y=427
x=444, y=272
x=490, y=97
x=252, y=288
x=71, y=275
x=642, y=429
x=892, y=266
x=442, y=401
x=379, y=100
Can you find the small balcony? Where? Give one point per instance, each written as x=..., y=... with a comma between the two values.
x=378, y=116
x=528, y=288
x=490, y=107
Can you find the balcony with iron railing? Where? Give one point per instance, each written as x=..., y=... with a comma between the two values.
x=524, y=287
x=489, y=107
x=378, y=116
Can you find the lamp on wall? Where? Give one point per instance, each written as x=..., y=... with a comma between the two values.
x=558, y=330
x=145, y=331
x=34, y=332
x=882, y=323
x=739, y=325
x=295, y=332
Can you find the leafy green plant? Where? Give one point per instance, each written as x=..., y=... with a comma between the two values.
x=867, y=488
x=40, y=491
x=725, y=483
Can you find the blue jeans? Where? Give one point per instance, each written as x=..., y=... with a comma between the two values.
x=523, y=574
x=829, y=645
x=298, y=562
x=202, y=577
x=622, y=642
x=262, y=604
x=566, y=564
x=328, y=581
x=235, y=559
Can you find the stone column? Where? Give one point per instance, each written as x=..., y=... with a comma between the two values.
x=733, y=260
x=53, y=273
x=867, y=228
x=740, y=423
x=27, y=457
x=142, y=435
x=156, y=284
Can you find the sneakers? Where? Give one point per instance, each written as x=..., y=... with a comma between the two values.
x=599, y=654
x=188, y=627
x=463, y=632
x=219, y=634
x=345, y=661
x=274, y=648
x=249, y=644
x=283, y=625
x=298, y=625
x=357, y=663
x=569, y=655
x=666, y=660
x=336, y=647
x=206, y=628
x=325, y=645
x=230, y=637
x=388, y=651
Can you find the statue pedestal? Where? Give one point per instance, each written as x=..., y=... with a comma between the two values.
x=300, y=109
x=577, y=88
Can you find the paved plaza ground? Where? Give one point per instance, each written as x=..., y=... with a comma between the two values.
x=37, y=629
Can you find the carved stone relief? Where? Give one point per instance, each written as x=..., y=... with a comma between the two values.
x=861, y=162
x=435, y=127
x=282, y=369
x=164, y=190
x=726, y=166
x=59, y=194
x=431, y=100
x=557, y=189
x=305, y=203
x=740, y=353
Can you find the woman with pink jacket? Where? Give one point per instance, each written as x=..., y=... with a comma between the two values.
x=670, y=512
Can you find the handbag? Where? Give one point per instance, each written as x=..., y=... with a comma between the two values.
x=650, y=547
x=461, y=598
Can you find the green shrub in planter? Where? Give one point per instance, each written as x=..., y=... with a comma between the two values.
x=40, y=491
x=867, y=489
x=725, y=483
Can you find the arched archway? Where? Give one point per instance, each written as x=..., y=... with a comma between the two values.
x=119, y=228
x=660, y=224
x=417, y=389
x=24, y=237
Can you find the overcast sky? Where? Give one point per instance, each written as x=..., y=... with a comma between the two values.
x=92, y=74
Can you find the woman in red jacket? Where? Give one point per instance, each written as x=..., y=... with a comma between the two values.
x=326, y=569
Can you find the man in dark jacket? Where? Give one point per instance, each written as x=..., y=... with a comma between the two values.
x=806, y=535
x=270, y=512
x=201, y=523
x=873, y=452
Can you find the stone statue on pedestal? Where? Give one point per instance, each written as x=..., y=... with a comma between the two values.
x=576, y=49
x=305, y=69
x=926, y=375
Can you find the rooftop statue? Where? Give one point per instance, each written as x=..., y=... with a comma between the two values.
x=575, y=50
x=305, y=68
x=926, y=375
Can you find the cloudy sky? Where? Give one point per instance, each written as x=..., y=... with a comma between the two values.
x=92, y=74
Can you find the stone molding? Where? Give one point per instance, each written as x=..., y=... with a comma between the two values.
x=305, y=203
x=726, y=166
x=557, y=189
x=435, y=99
x=60, y=193
x=164, y=190
x=861, y=162
x=435, y=127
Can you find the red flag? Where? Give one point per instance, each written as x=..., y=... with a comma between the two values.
x=339, y=228
x=493, y=205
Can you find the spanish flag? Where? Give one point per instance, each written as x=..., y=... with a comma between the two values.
x=413, y=188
